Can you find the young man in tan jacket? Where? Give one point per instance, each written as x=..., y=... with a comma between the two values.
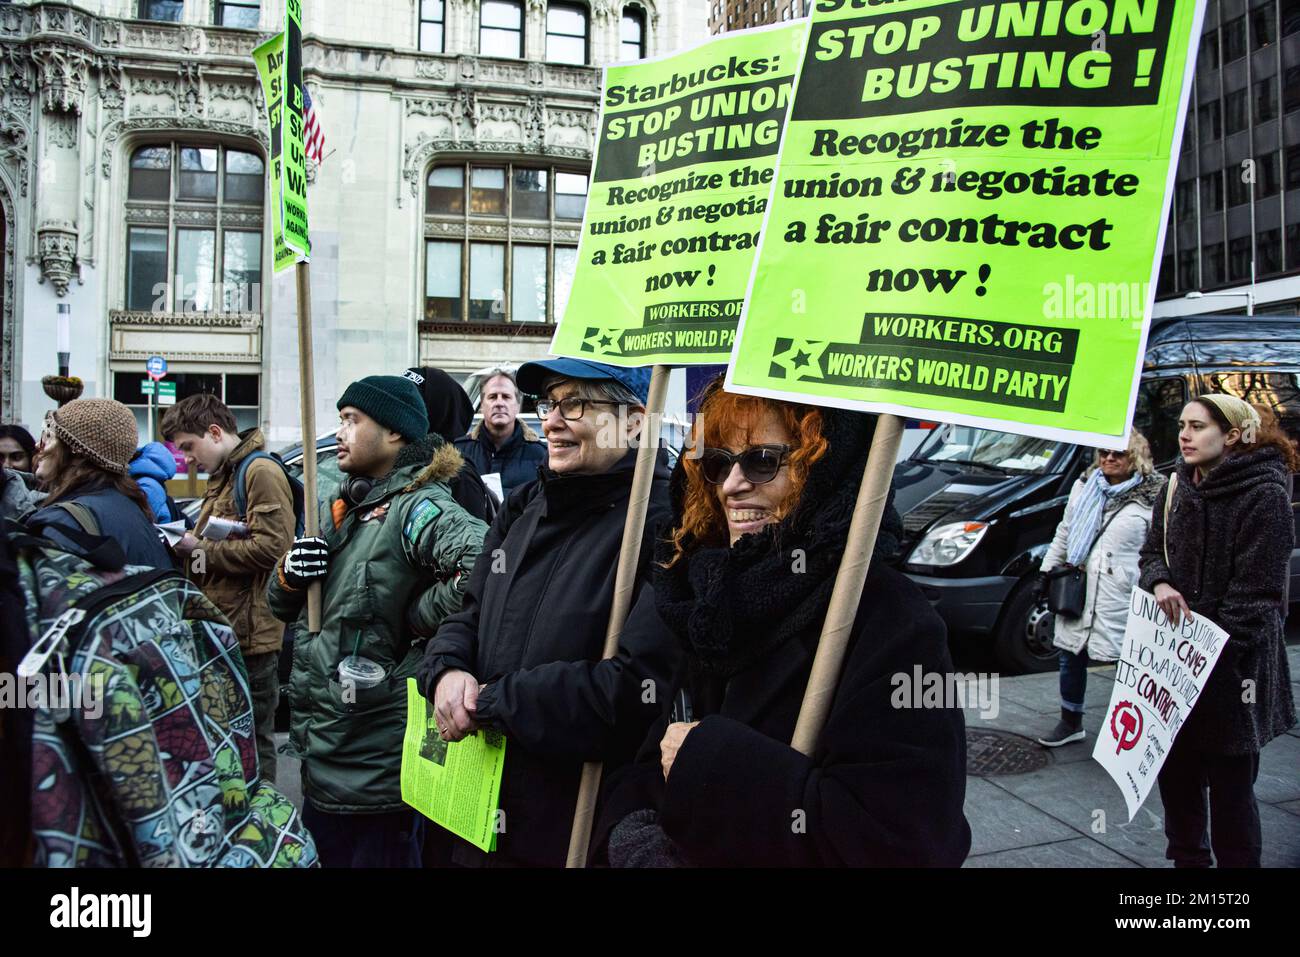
x=233, y=572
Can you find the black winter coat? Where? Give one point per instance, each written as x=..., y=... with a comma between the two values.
x=1230, y=542
x=885, y=785
x=517, y=461
x=532, y=627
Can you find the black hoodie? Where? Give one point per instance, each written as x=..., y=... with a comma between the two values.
x=1230, y=541
x=885, y=785
x=450, y=414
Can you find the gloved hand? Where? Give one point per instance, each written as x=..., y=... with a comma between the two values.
x=1040, y=585
x=307, y=561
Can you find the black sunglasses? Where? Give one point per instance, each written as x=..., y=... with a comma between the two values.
x=759, y=464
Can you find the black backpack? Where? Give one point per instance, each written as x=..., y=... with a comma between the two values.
x=295, y=488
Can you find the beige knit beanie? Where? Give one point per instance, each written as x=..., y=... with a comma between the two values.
x=102, y=430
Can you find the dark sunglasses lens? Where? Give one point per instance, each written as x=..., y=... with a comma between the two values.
x=760, y=465
x=715, y=466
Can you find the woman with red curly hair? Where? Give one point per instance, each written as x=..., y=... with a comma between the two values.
x=742, y=582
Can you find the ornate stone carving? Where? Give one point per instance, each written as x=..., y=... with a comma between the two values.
x=216, y=320
x=115, y=131
x=7, y=317
x=602, y=9
x=56, y=244
x=62, y=131
x=190, y=92
x=431, y=69
x=536, y=73
x=61, y=73
x=13, y=148
x=420, y=153
x=535, y=121
x=466, y=67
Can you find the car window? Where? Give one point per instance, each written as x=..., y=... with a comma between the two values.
x=1002, y=451
x=1277, y=391
x=1159, y=403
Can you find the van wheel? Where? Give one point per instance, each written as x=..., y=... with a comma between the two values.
x=1022, y=639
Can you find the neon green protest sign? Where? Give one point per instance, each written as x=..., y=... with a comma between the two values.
x=680, y=182
x=968, y=209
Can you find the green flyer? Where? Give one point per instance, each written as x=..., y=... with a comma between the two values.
x=968, y=211
x=680, y=182
x=456, y=784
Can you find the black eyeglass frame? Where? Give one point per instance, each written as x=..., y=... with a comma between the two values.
x=731, y=458
x=544, y=406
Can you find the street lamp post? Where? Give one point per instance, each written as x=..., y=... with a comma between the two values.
x=63, y=388
x=1249, y=294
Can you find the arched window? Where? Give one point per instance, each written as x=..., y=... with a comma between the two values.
x=501, y=28
x=631, y=34
x=238, y=13
x=567, y=33
x=518, y=267
x=194, y=229
x=433, y=23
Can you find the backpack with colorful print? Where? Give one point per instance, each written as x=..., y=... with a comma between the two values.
x=148, y=757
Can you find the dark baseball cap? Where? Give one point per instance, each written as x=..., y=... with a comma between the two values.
x=531, y=375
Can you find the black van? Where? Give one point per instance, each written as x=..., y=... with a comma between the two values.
x=980, y=507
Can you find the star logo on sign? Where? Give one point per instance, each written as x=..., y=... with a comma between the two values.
x=604, y=340
x=801, y=360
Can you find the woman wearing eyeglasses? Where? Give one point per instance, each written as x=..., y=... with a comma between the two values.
x=523, y=654
x=1105, y=522
x=742, y=583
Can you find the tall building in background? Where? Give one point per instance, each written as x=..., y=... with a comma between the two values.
x=445, y=208
x=1237, y=194
x=727, y=15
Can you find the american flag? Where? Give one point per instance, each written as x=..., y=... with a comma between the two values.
x=313, y=136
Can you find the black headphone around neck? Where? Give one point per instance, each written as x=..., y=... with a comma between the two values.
x=355, y=488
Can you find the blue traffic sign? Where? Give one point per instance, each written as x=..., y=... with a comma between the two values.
x=156, y=367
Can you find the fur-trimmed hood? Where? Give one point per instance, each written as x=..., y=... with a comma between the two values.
x=443, y=461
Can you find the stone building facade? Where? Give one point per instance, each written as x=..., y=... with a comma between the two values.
x=444, y=214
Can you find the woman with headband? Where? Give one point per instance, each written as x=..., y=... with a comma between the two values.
x=1220, y=546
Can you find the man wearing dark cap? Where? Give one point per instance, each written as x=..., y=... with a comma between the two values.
x=523, y=654
x=393, y=565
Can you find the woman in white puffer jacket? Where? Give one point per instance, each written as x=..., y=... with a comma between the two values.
x=1105, y=524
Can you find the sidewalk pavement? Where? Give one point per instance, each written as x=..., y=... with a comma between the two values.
x=1047, y=818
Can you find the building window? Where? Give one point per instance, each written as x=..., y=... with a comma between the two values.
x=1235, y=111
x=166, y=10
x=522, y=270
x=1212, y=264
x=1212, y=192
x=1291, y=89
x=1292, y=172
x=240, y=392
x=1268, y=252
x=631, y=34
x=501, y=29
x=566, y=33
x=1185, y=200
x=238, y=13
x=1266, y=100
x=1239, y=258
x=1238, y=184
x=1187, y=269
x=1209, y=122
x=1234, y=39
x=1268, y=177
x=194, y=229
x=1209, y=56
x=1263, y=27
x=433, y=21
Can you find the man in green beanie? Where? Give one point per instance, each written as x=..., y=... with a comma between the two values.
x=392, y=565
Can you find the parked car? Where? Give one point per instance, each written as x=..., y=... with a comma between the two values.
x=980, y=507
